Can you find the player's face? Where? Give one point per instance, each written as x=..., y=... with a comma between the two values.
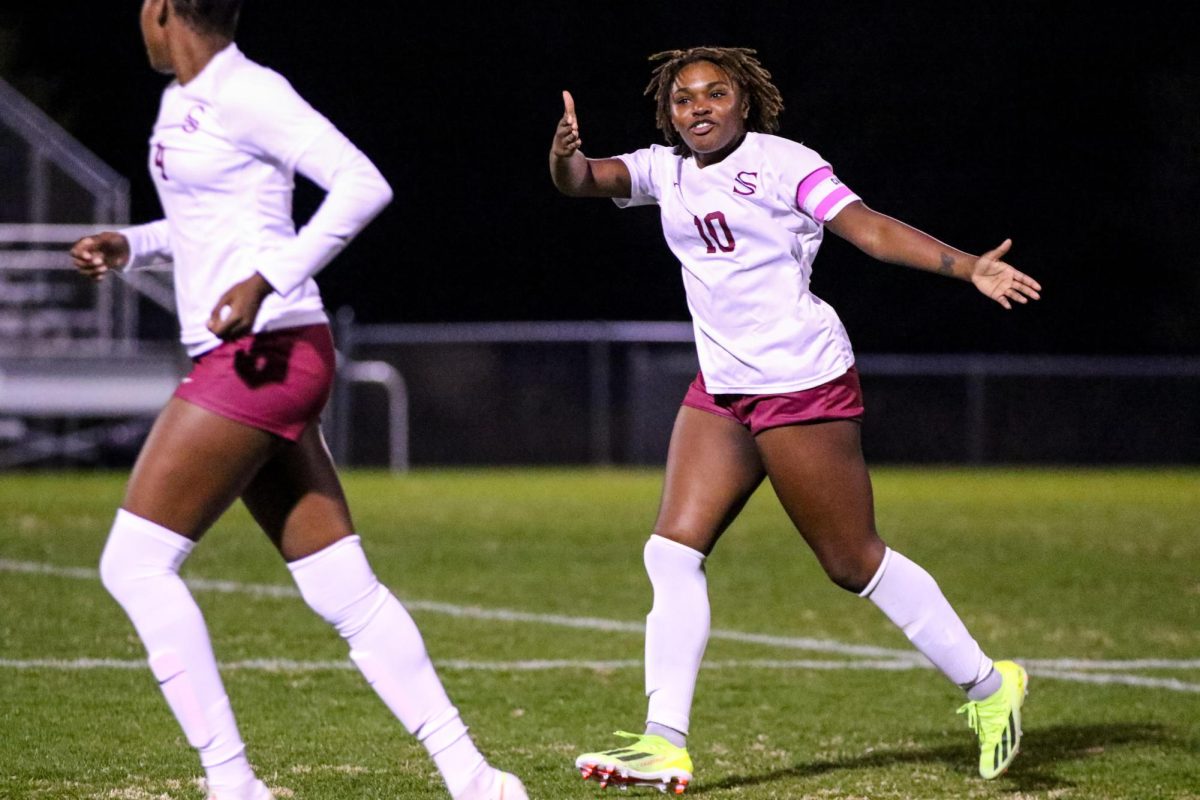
x=154, y=34
x=708, y=110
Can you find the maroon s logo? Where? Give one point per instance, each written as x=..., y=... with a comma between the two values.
x=190, y=123
x=743, y=179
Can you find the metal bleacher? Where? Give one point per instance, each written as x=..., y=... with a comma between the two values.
x=78, y=375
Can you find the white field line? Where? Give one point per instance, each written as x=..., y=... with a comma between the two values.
x=1120, y=679
x=885, y=658
x=496, y=614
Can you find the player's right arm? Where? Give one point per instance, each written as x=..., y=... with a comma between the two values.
x=137, y=247
x=574, y=174
x=95, y=255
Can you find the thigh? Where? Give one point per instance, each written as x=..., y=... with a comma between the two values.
x=818, y=472
x=712, y=469
x=193, y=466
x=297, y=499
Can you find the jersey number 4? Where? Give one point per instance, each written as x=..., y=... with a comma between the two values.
x=160, y=160
x=713, y=240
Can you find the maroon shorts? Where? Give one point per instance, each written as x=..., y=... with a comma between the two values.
x=277, y=381
x=841, y=398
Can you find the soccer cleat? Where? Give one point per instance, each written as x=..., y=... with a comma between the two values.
x=997, y=720
x=648, y=761
x=256, y=791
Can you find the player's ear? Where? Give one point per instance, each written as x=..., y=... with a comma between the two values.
x=162, y=15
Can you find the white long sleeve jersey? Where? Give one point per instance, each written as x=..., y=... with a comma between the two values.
x=223, y=155
x=746, y=231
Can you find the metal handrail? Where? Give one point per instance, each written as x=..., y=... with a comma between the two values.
x=47, y=136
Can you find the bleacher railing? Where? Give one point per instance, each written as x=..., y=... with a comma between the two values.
x=76, y=381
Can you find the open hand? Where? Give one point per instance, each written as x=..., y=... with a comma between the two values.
x=95, y=255
x=1002, y=282
x=234, y=314
x=566, y=136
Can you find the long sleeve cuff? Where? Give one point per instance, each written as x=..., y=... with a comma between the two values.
x=149, y=244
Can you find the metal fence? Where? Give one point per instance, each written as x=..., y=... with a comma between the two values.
x=47, y=179
x=607, y=393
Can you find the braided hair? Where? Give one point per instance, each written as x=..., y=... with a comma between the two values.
x=739, y=63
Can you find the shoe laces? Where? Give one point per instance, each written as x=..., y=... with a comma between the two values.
x=988, y=718
x=972, y=711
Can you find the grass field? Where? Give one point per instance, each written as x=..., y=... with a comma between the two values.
x=529, y=589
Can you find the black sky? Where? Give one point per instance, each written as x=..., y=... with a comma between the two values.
x=1072, y=130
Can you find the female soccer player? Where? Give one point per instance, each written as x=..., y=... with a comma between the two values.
x=229, y=137
x=777, y=395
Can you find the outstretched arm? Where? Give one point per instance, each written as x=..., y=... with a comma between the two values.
x=576, y=175
x=888, y=239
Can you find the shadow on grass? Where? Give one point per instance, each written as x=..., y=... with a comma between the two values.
x=1033, y=771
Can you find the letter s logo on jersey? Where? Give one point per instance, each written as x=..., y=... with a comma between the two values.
x=191, y=123
x=743, y=179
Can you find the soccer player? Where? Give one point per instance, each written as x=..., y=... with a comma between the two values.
x=229, y=137
x=777, y=396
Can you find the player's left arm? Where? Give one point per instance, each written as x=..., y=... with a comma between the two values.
x=888, y=239
x=355, y=193
x=285, y=128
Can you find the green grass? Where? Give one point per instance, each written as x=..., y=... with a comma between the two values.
x=1041, y=564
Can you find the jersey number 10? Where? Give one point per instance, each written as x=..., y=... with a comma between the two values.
x=723, y=240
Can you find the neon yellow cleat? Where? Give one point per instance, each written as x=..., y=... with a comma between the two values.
x=648, y=761
x=997, y=720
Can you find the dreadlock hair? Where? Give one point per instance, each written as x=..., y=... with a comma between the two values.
x=213, y=17
x=739, y=64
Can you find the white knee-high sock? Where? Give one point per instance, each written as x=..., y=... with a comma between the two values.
x=676, y=630
x=140, y=568
x=911, y=599
x=338, y=584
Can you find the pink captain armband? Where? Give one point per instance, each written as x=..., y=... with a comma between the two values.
x=821, y=195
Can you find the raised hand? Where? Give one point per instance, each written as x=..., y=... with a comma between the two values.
x=234, y=314
x=95, y=255
x=566, y=136
x=1002, y=282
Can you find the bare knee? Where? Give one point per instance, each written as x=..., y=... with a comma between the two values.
x=700, y=538
x=852, y=566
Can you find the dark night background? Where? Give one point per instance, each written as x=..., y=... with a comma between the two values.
x=1073, y=130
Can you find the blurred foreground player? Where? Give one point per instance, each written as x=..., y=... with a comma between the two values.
x=229, y=138
x=777, y=396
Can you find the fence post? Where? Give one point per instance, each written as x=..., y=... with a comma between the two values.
x=976, y=412
x=600, y=399
x=340, y=413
